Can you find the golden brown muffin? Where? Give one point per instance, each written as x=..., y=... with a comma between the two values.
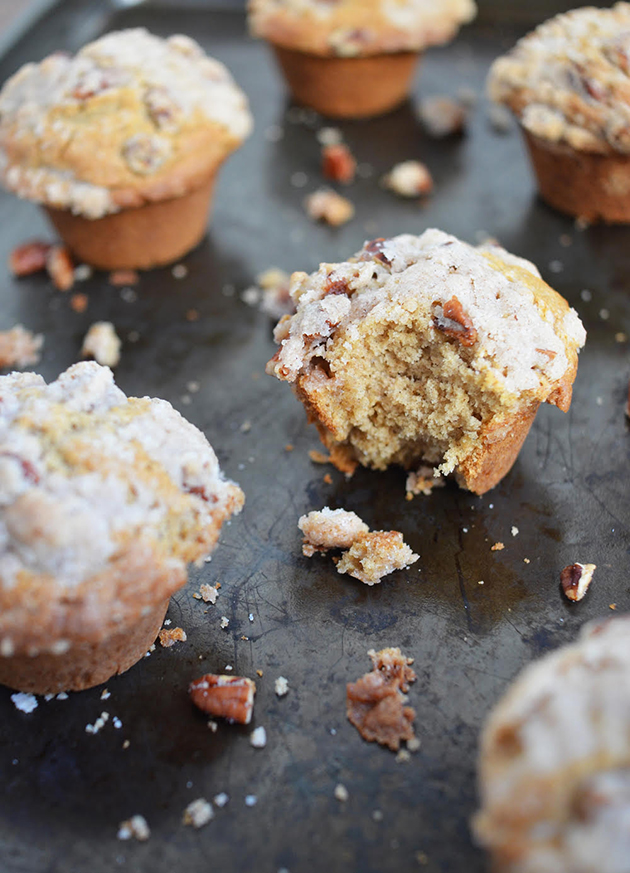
x=103, y=502
x=568, y=83
x=121, y=144
x=354, y=58
x=426, y=349
x=554, y=767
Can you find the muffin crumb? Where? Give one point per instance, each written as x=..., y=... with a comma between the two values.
x=409, y=179
x=328, y=206
x=198, y=813
x=375, y=555
x=19, y=347
x=102, y=343
x=169, y=636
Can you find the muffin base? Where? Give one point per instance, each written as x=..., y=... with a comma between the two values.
x=582, y=184
x=348, y=87
x=138, y=238
x=85, y=664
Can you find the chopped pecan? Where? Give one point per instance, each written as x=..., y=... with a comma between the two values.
x=162, y=108
x=118, y=278
x=374, y=250
x=79, y=302
x=575, y=580
x=451, y=320
x=229, y=697
x=96, y=81
x=29, y=258
x=145, y=154
x=337, y=286
x=60, y=268
x=338, y=163
x=551, y=355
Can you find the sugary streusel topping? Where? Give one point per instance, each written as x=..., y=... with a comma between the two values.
x=519, y=334
x=328, y=528
x=569, y=80
x=141, y=97
x=555, y=765
x=358, y=27
x=84, y=470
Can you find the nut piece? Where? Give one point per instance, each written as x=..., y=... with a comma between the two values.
x=422, y=481
x=229, y=697
x=145, y=153
x=575, y=580
x=118, y=278
x=375, y=702
x=338, y=163
x=326, y=205
x=409, y=179
x=60, y=268
x=451, y=320
x=442, y=116
x=102, y=343
x=29, y=258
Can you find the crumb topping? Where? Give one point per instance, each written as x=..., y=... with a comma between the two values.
x=349, y=28
x=128, y=106
x=375, y=555
x=330, y=529
x=569, y=80
x=102, y=343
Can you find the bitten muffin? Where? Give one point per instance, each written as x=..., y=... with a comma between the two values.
x=426, y=349
x=354, y=58
x=568, y=83
x=121, y=144
x=554, y=767
x=103, y=502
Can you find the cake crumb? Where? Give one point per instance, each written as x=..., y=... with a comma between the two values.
x=376, y=701
x=328, y=206
x=179, y=271
x=251, y=800
x=375, y=555
x=79, y=302
x=19, y=347
x=126, y=744
x=341, y=793
x=330, y=529
x=60, y=267
x=224, y=622
x=442, y=116
x=422, y=481
x=136, y=827
x=258, y=738
x=192, y=315
x=83, y=272
x=281, y=686
x=208, y=593
x=24, y=701
x=526, y=561
x=221, y=799
x=403, y=756
x=289, y=447
x=409, y=179
x=514, y=530
x=198, y=813
x=105, y=694
x=213, y=726
x=102, y=343
x=118, y=278
x=317, y=457
x=497, y=547
x=259, y=673
x=612, y=606
x=274, y=285
x=169, y=636
x=328, y=479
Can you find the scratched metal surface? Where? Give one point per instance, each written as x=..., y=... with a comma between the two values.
x=65, y=791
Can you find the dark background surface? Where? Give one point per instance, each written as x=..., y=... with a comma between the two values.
x=65, y=791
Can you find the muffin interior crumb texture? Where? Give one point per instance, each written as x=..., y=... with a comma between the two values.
x=93, y=487
x=420, y=348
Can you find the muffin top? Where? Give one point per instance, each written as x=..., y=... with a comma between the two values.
x=514, y=328
x=555, y=759
x=569, y=80
x=132, y=118
x=103, y=501
x=348, y=28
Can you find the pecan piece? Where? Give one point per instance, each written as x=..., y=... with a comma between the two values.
x=338, y=163
x=337, y=286
x=373, y=250
x=229, y=697
x=451, y=320
x=118, y=278
x=575, y=580
x=162, y=108
x=145, y=154
x=29, y=258
x=60, y=268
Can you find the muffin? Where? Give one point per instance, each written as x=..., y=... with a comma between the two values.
x=554, y=767
x=568, y=83
x=423, y=349
x=121, y=144
x=103, y=502
x=354, y=58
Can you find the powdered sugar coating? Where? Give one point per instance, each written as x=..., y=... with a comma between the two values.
x=131, y=84
x=555, y=762
x=520, y=343
x=83, y=469
x=358, y=27
x=569, y=80
x=330, y=529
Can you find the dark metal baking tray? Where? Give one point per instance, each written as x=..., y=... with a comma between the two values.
x=65, y=791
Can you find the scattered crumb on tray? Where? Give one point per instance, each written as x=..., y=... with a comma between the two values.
x=281, y=686
x=208, y=593
x=169, y=636
x=258, y=738
x=376, y=701
x=221, y=799
x=24, y=701
x=135, y=827
x=330, y=529
x=118, y=278
x=409, y=179
x=271, y=293
x=102, y=343
x=316, y=456
x=79, y=302
x=19, y=347
x=442, y=116
x=328, y=206
x=575, y=580
x=375, y=555
x=229, y=697
x=60, y=267
x=198, y=813
x=341, y=793
x=497, y=547
x=422, y=481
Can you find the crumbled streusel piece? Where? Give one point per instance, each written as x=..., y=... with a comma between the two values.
x=330, y=529
x=328, y=206
x=409, y=179
x=375, y=555
x=102, y=343
x=19, y=347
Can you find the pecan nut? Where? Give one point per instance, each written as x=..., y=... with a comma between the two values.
x=338, y=163
x=60, y=268
x=575, y=580
x=373, y=250
x=229, y=697
x=145, y=154
x=450, y=319
x=29, y=258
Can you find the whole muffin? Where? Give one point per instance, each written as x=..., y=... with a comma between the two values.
x=568, y=83
x=354, y=58
x=424, y=349
x=121, y=144
x=554, y=766
x=103, y=502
